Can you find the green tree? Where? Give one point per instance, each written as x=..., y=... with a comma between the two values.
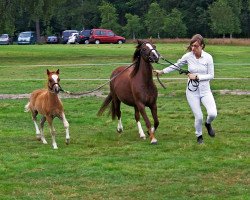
x=154, y=20
x=7, y=16
x=174, y=26
x=223, y=20
x=133, y=27
x=109, y=17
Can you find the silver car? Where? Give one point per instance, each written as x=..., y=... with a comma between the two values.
x=5, y=39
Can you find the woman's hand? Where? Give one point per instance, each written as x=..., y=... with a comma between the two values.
x=159, y=72
x=193, y=76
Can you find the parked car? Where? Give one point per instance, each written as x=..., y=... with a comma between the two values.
x=28, y=37
x=66, y=34
x=98, y=36
x=52, y=39
x=83, y=37
x=73, y=38
x=5, y=39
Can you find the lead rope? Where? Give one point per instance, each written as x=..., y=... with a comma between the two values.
x=98, y=88
x=194, y=83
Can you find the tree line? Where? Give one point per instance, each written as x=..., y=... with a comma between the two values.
x=131, y=18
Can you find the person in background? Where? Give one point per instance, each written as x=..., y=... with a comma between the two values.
x=200, y=72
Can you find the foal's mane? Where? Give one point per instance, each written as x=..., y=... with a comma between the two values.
x=137, y=57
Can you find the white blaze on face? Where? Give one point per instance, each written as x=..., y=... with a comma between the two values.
x=55, y=78
x=153, y=51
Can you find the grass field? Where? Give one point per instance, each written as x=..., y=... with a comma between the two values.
x=101, y=164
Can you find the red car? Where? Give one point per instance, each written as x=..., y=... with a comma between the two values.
x=98, y=36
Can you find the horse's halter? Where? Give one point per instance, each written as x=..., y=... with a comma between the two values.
x=152, y=55
x=52, y=87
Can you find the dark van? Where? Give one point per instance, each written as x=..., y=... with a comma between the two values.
x=66, y=34
x=27, y=37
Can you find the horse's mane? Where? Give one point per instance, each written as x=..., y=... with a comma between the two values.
x=136, y=59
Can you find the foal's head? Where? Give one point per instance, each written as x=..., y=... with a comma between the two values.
x=53, y=81
x=147, y=51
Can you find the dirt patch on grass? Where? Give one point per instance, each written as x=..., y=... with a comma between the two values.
x=233, y=92
x=101, y=94
x=62, y=95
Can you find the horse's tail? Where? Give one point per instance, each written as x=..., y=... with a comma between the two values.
x=27, y=107
x=105, y=104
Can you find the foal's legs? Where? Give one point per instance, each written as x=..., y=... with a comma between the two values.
x=66, y=126
x=137, y=118
x=43, y=119
x=34, y=118
x=52, y=131
x=151, y=130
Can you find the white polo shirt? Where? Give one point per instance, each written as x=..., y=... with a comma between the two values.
x=203, y=67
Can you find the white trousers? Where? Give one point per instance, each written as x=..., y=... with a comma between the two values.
x=195, y=100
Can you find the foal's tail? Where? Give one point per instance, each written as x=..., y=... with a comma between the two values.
x=105, y=104
x=27, y=107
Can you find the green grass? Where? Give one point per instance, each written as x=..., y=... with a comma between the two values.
x=101, y=164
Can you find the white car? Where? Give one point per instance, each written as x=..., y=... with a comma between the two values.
x=5, y=39
x=73, y=38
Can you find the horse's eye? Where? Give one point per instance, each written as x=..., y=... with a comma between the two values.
x=143, y=49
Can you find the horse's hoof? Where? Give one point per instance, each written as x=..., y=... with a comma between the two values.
x=67, y=141
x=119, y=130
x=38, y=137
x=44, y=141
x=154, y=141
x=143, y=137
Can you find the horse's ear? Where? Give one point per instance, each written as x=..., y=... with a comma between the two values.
x=140, y=42
x=150, y=40
x=48, y=72
x=57, y=72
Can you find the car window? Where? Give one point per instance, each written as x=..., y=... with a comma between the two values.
x=111, y=34
x=98, y=32
x=4, y=36
x=25, y=34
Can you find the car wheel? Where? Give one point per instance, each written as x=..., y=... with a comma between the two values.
x=119, y=42
x=97, y=41
x=86, y=41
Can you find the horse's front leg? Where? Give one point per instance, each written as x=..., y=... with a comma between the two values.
x=52, y=131
x=66, y=126
x=151, y=130
x=137, y=118
x=155, y=116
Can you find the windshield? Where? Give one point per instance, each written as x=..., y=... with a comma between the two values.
x=3, y=36
x=25, y=34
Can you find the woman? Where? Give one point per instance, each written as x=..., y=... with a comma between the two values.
x=201, y=71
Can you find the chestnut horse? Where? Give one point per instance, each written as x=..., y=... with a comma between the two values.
x=47, y=103
x=134, y=86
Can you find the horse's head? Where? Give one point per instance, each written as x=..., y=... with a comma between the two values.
x=53, y=81
x=147, y=51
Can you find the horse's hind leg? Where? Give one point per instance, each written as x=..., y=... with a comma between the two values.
x=52, y=131
x=66, y=126
x=34, y=118
x=43, y=119
x=116, y=109
x=137, y=118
